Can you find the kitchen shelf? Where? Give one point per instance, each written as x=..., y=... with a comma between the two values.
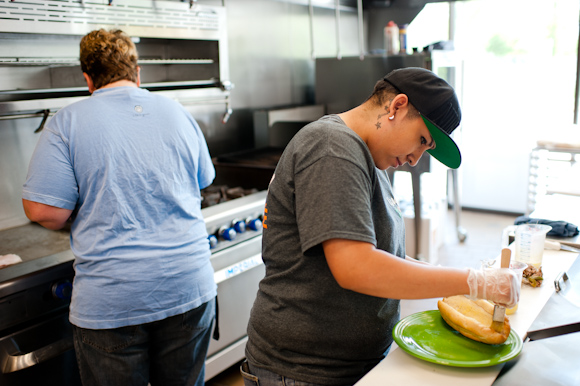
x=550, y=171
x=76, y=61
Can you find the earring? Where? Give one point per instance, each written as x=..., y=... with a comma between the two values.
x=392, y=117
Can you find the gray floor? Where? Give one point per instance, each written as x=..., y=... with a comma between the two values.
x=484, y=231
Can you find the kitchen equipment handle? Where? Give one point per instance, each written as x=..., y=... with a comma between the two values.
x=337, y=17
x=42, y=113
x=554, y=245
x=311, y=14
x=498, y=311
x=238, y=268
x=19, y=362
x=228, y=113
x=45, y=113
x=361, y=44
x=561, y=277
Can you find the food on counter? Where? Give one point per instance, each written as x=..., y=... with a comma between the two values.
x=533, y=276
x=6, y=260
x=473, y=319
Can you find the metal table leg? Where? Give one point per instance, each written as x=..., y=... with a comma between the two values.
x=461, y=232
x=416, y=181
x=422, y=166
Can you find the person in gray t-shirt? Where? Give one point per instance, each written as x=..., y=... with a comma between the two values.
x=334, y=238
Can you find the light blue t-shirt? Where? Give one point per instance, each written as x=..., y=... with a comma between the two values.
x=131, y=164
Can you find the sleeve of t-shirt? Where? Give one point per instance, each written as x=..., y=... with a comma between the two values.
x=205, y=170
x=51, y=178
x=333, y=201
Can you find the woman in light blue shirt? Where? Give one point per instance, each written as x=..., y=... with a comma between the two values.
x=126, y=167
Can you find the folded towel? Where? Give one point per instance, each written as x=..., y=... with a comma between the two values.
x=559, y=228
x=6, y=260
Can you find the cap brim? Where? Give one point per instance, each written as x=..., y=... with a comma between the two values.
x=446, y=150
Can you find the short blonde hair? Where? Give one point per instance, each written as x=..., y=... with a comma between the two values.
x=108, y=56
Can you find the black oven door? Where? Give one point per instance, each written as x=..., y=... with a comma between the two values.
x=39, y=353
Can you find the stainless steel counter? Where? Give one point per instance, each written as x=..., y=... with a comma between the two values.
x=31, y=241
x=546, y=362
x=561, y=314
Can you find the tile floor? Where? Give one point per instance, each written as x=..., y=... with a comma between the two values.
x=484, y=231
x=230, y=377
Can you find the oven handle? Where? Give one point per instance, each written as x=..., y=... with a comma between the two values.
x=19, y=362
x=237, y=268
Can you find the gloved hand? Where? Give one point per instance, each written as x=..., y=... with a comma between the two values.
x=499, y=285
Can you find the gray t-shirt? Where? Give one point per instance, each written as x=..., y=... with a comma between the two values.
x=303, y=324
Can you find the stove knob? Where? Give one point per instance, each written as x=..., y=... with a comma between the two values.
x=62, y=290
x=239, y=226
x=213, y=241
x=254, y=224
x=227, y=233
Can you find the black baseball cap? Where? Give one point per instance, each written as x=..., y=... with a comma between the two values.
x=437, y=103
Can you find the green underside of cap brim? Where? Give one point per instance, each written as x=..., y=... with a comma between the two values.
x=446, y=151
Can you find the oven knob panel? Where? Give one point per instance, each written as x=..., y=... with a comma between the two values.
x=213, y=241
x=254, y=224
x=227, y=233
x=62, y=290
x=239, y=226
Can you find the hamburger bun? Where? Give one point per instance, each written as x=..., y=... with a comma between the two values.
x=473, y=319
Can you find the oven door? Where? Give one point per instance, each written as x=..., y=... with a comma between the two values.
x=39, y=353
x=238, y=271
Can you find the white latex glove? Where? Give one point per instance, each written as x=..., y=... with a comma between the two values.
x=499, y=285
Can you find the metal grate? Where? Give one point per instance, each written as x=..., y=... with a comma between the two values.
x=83, y=16
x=31, y=61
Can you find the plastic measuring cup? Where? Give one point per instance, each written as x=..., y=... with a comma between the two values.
x=529, y=241
x=518, y=267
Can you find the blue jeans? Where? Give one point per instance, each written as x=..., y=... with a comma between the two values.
x=169, y=352
x=256, y=376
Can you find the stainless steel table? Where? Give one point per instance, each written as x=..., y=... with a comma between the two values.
x=546, y=362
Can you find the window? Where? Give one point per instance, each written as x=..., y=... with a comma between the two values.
x=519, y=81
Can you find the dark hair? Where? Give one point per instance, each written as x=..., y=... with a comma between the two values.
x=384, y=93
x=108, y=56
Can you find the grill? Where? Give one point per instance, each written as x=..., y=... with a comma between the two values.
x=63, y=15
x=183, y=55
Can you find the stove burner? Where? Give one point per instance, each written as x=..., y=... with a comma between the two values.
x=215, y=194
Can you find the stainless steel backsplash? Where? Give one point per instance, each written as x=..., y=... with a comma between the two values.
x=269, y=59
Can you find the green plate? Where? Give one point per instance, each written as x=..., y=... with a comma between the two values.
x=427, y=336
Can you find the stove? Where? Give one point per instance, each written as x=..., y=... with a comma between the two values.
x=235, y=235
x=216, y=194
x=35, y=334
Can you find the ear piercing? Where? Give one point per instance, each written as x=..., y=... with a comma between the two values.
x=392, y=117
